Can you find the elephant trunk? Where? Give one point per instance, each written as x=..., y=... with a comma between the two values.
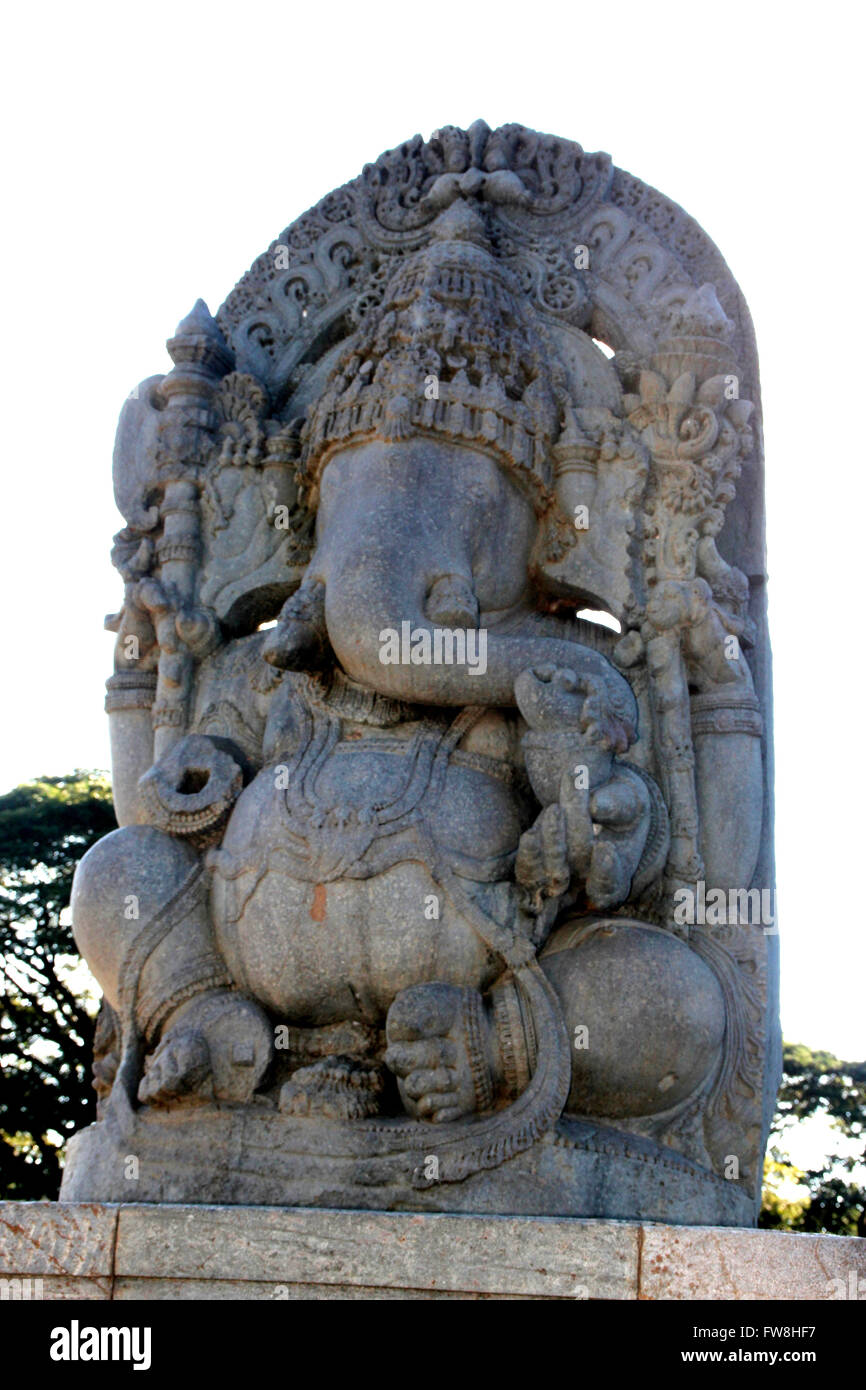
x=421, y=551
x=384, y=595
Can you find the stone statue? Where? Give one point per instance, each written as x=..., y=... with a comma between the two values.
x=431, y=891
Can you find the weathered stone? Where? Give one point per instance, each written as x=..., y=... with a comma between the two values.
x=233, y=1290
x=56, y=1238
x=51, y=1288
x=678, y=1263
x=429, y=893
x=456, y=1253
x=279, y=1254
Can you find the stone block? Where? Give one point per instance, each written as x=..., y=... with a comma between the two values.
x=157, y=1252
x=57, y=1238
x=461, y=1254
x=681, y=1262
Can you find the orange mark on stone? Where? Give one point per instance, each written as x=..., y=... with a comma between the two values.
x=319, y=906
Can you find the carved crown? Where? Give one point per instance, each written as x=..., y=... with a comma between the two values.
x=451, y=351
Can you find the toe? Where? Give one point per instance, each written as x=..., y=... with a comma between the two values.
x=419, y=1083
x=403, y=1058
x=428, y=1105
x=447, y=1113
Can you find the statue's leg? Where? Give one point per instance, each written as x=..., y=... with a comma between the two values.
x=457, y=1049
x=140, y=919
x=440, y=1051
x=645, y=1012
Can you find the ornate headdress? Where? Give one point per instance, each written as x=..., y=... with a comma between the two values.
x=451, y=352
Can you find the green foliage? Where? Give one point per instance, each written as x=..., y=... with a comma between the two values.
x=817, y=1083
x=779, y=1211
x=46, y=1016
x=834, y=1204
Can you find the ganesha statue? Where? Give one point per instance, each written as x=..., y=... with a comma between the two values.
x=440, y=716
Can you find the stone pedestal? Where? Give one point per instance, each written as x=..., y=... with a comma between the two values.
x=255, y=1157
x=66, y=1250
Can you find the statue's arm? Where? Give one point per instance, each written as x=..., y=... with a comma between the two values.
x=130, y=694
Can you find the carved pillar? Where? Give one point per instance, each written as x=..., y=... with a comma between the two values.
x=695, y=428
x=129, y=705
x=726, y=731
x=669, y=699
x=201, y=357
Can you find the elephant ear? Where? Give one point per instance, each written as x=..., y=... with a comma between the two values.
x=134, y=460
x=585, y=552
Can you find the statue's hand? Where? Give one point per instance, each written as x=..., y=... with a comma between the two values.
x=430, y=1051
x=136, y=648
x=596, y=838
x=621, y=814
x=553, y=697
x=541, y=867
x=192, y=789
x=558, y=847
x=619, y=802
x=555, y=848
x=710, y=647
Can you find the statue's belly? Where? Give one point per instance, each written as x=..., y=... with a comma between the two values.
x=315, y=941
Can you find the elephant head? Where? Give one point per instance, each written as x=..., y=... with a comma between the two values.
x=433, y=535
x=428, y=460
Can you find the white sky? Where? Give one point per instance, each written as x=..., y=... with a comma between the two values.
x=153, y=151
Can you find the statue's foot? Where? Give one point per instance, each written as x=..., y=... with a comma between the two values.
x=438, y=1049
x=216, y=1046
x=339, y=1088
x=178, y=1070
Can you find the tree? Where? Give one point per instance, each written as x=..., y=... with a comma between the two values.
x=817, y=1083
x=779, y=1211
x=46, y=1007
